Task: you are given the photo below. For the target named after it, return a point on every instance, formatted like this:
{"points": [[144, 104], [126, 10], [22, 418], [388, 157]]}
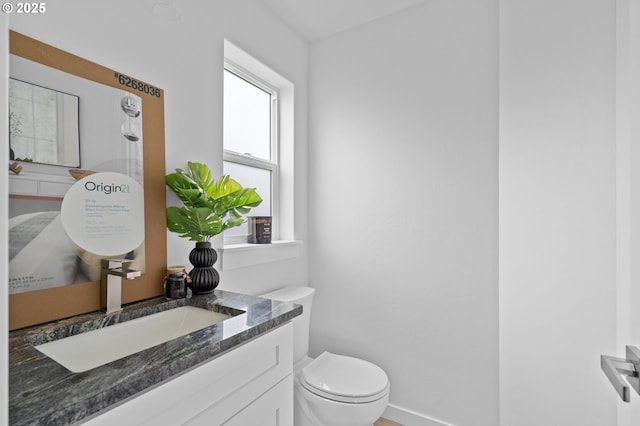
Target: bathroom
{"points": [[483, 254]]}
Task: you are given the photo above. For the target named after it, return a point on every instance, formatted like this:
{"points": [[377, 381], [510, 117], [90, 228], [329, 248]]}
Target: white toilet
{"points": [[331, 390]]}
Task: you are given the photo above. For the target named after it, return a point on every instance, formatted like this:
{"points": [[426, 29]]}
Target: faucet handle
{"points": [[116, 263]]}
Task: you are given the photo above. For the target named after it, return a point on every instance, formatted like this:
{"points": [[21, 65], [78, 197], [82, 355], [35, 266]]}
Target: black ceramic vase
{"points": [[204, 278]]}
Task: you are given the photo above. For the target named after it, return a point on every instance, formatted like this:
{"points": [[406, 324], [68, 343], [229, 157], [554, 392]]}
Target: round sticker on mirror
{"points": [[103, 213]]}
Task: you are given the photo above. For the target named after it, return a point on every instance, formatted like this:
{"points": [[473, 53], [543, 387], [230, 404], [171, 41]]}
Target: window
{"points": [[251, 142], [264, 160]]}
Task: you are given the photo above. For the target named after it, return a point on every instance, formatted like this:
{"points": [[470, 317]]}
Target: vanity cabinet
{"points": [[249, 385]]}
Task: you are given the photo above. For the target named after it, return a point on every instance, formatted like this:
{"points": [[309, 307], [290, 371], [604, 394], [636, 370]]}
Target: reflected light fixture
{"points": [[130, 106]]}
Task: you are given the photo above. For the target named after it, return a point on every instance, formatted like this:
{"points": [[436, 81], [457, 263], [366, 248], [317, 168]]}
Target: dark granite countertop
{"points": [[42, 392]]}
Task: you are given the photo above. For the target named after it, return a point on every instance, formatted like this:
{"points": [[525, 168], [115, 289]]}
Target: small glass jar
{"points": [[175, 283]]}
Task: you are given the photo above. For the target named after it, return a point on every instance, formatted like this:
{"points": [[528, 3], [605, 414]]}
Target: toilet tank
{"points": [[302, 296]]}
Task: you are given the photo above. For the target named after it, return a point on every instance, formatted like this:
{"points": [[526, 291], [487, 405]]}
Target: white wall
{"points": [[185, 58], [557, 211], [404, 203], [4, 218]]}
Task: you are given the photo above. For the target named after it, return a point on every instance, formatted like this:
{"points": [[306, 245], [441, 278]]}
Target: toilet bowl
{"points": [[340, 391], [331, 390]]}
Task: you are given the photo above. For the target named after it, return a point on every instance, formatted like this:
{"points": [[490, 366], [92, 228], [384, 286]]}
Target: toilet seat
{"points": [[344, 379]]}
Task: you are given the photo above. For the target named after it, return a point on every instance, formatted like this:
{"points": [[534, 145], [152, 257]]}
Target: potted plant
{"points": [[210, 206]]}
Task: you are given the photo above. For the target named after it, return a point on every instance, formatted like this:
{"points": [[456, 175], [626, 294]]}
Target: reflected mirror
{"points": [[43, 125]]}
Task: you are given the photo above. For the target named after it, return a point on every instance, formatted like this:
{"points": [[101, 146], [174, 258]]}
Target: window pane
{"points": [[251, 177], [247, 117]]}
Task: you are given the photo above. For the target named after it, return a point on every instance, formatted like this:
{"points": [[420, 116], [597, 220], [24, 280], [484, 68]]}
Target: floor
{"points": [[384, 422]]}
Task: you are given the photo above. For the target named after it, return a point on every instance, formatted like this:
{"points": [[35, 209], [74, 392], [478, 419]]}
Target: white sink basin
{"points": [[85, 351]]}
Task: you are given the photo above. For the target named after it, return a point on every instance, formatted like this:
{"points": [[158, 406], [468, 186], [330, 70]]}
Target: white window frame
{"points": [[286, 246], [251, 161]]}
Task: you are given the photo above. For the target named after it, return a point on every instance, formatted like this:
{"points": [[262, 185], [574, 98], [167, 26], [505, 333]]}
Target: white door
{"points": [[628, 192]]}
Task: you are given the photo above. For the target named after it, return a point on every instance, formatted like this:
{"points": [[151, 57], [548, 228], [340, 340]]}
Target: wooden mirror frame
{"points": [[46, 305]]}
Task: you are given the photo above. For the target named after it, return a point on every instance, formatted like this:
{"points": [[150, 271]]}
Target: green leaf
{"points": [[200, 175], [195, 223], [184, 187], [230, 223], [244, 199], [224, 187]]}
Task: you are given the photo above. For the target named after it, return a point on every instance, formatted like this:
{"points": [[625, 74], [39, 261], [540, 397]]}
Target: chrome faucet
{"points": [[111, 274]]}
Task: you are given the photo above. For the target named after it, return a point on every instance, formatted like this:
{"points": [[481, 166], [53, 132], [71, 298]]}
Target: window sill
{"points": [[234, 256]]}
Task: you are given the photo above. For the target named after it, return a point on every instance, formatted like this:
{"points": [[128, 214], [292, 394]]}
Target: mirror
{"points": [[43, 125], [111, 133], [120, 144]]}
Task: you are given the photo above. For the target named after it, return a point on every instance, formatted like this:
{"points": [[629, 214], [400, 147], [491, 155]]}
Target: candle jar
{"points": [[259, 229], [175, 283]]}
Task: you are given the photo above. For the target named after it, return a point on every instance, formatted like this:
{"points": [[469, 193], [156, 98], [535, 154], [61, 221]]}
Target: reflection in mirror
{"points": [[44, 125], [111, 122], [42, 254]]}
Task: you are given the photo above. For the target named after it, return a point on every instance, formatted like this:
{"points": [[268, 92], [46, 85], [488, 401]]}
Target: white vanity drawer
{"points": [[221, 389], [274, 408]]}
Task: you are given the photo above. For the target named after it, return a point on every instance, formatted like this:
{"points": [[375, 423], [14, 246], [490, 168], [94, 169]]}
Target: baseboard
{"points": [[410, 418]]}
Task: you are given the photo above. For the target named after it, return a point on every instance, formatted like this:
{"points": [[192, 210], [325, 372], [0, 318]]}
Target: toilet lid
{"points": [[345, 379]]}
